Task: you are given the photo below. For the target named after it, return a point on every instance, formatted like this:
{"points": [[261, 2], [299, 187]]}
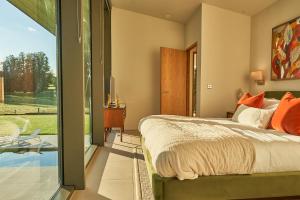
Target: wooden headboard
{"points": [[279, 94]]}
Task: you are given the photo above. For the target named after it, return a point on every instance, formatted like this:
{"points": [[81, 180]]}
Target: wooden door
{"points": [[173, 82]]}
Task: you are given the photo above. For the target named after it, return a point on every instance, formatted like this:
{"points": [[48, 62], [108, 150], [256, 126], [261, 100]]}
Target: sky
{"points": [[19, 33]]}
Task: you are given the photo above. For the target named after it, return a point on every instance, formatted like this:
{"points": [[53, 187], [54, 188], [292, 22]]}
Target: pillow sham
{"points": [[287, 116], [252, 101], [270, 103], [254, 117]]}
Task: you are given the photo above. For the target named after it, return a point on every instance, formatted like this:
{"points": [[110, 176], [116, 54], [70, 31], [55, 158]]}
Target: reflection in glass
{"points": [[87, 71], [28, 100]]}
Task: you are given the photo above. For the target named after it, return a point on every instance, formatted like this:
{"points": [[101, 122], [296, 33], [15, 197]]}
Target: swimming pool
{"points": [[29, 159]]}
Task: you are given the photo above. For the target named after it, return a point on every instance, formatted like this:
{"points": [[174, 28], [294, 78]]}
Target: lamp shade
{"points": [[257, 75]]}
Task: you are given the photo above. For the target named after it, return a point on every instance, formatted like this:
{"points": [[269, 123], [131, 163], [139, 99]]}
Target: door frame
{"points": [[188, 51]]}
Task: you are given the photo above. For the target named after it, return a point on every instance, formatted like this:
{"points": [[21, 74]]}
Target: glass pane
{"points": [[28, 100], [107, 53], [87, 71]]}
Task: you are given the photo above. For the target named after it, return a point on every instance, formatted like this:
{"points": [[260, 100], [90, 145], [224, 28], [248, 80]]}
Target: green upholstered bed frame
{"points": [[267, 185], [279, 94]]}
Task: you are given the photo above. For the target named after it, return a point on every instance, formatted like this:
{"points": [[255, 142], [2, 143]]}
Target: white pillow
{"points": [[270, 103], [255, 117]]}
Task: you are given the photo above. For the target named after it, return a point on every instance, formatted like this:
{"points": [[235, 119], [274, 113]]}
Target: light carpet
{"points": [[142, 177]]}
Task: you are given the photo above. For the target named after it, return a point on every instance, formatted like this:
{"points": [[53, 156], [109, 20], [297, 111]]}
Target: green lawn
{"points": [[43, 99], [23, 109], [23, 105], [28, 123], [11, 124]]}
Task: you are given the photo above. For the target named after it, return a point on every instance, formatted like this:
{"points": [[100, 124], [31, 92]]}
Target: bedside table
{"points": [[114, 117], [229, 114]]}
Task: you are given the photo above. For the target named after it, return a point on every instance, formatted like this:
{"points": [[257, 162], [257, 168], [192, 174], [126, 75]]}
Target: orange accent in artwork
{"points": [[286, 51]]}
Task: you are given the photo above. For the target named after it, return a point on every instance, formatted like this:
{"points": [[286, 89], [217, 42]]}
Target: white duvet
{"points": [[190, 147]]}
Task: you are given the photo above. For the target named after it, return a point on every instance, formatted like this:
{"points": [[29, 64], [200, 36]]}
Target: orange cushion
{"points": [[287, 116], [252, 101]]}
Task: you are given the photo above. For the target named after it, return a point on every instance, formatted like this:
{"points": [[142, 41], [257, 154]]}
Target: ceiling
{"points": [[181, 10]]}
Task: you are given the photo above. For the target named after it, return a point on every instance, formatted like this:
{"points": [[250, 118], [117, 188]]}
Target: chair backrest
{"points": [[36, 132]]}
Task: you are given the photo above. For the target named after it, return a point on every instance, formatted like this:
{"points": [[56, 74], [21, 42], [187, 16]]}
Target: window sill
{"points": [[63, 193], [89, 154]]}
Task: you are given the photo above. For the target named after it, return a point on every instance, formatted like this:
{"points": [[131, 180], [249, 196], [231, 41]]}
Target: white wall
{"points": [[192, 31], [225, 59], [136, 42], [261, 38]]}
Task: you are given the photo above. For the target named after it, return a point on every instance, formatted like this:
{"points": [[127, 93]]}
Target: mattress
{"points": [[273, 151]]}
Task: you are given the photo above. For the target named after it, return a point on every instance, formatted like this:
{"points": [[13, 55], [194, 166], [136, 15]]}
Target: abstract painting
{"points": [[286, 51]]}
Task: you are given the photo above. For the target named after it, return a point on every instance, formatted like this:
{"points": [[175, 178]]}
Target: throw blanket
{"points": [[189, 148]]}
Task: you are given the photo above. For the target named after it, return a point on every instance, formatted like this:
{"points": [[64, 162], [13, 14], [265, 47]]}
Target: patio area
{"points": [[28, 167], [21, 143], [28, 183], [39, 143]]}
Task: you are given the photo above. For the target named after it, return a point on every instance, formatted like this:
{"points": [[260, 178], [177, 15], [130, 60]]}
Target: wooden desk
{"points": [[114, 117]]}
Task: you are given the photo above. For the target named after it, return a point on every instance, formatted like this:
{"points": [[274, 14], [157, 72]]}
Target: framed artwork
{"points": [[286, 51]]}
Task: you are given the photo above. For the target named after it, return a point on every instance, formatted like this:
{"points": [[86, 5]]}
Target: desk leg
{"points": [[105, 134], [122, 130]]}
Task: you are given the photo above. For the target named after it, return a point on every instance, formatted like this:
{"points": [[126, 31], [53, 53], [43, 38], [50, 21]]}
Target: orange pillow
{"points": [[252, 101], [287, 116]]}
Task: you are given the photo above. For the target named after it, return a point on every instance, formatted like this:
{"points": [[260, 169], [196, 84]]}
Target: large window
{"points": [[28, 100], [87, 72]]}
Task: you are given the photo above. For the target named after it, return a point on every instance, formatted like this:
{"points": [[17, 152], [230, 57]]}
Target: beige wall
{"points": [[261, 37], [136, 42], [192, 32], [193, 29], [225, 59]]}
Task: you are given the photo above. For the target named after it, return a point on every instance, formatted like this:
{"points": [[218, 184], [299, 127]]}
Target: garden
{"points": [[25, 112], [30, 100]]}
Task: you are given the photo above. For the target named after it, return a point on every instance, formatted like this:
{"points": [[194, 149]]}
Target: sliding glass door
{"points": [[29, 114], [87, 72]]}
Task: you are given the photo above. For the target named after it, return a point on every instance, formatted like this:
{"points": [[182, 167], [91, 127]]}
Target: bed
{"points": [[244, 186]]}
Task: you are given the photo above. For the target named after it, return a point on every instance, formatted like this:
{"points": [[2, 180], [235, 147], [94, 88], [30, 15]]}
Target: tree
{"points": [[27, 73]]}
